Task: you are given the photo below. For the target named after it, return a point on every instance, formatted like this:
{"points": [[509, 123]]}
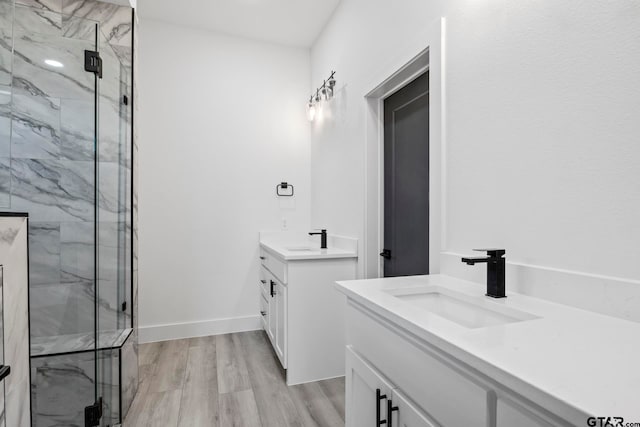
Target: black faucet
{"points": [[323, 238], [496, 267]]}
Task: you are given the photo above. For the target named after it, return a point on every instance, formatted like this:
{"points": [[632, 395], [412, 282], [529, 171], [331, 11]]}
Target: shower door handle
{"points": [[4, 372]]}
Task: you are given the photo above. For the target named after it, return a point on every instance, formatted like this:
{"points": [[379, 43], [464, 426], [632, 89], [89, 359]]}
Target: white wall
{"points": [[542, 152], [222, 121]]}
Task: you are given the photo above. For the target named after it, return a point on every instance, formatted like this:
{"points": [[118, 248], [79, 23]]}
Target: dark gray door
{"points": [[406, 180]]}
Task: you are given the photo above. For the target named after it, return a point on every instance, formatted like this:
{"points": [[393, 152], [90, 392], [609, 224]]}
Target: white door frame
{"points": [[431, 57]]}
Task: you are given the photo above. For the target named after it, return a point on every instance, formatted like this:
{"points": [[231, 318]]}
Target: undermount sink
{"points": [[300, 249], [469, 311]]}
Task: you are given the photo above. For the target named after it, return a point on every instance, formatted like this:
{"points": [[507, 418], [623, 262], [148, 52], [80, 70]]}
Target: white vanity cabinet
{"points": [[510, 414], [371, 397], [302, 312], [405, 413], [273, 303], [453, 357], [279, 325], [366, 392], [422, 385], [263, 285]]}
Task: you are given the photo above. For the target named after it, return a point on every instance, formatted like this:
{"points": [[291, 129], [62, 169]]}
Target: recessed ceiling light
{"points": [[54, 63]]}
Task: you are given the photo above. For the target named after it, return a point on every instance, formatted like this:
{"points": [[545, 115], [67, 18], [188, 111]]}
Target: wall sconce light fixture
{"points": [[324, 92]]}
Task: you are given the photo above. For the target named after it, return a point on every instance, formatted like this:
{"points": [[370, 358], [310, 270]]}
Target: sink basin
{"points": [[300, 249], [469, 311]]}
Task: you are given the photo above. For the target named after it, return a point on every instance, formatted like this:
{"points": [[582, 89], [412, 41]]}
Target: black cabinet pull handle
{"points": [[390, 410], [263, 258], [264, 282], [5, 371], [379, 397], [273, 292], [263, 313]]}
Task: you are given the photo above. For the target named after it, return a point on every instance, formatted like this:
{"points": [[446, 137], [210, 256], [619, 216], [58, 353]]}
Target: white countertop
{"points": [[292, 246], [289, 253], [587, 361]]}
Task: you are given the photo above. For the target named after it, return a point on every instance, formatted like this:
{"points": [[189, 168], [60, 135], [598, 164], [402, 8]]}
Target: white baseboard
{"points": [[205, 328], [612, 296]]}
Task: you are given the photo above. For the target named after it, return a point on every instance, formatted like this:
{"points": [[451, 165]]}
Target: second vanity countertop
{"points": [[292, 246], [586, 361]]}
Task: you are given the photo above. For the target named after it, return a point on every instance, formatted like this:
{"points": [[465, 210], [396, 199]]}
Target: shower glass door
{"points": [[113, 213], [51, 165], [65, 158]]}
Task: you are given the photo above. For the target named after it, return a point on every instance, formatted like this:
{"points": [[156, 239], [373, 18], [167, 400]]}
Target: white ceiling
{"points": [[289, 22]]}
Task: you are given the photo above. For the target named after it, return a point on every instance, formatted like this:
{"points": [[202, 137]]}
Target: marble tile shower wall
{"points": [[64, 385], [6, 37], [47, 156], [15, 298]]}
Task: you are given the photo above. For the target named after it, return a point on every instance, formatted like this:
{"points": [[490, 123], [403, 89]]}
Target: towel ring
{"points": [[284, 186]]}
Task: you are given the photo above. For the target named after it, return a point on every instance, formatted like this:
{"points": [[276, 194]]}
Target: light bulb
{"points": [[329, 92], [311, 111], [332, 85], [325, 93]]}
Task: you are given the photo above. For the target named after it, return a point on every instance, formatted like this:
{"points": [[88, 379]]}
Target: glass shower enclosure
{"points": [[66, 158]]}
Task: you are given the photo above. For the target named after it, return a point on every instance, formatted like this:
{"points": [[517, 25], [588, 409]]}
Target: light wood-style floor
{"points": [[227, 381]]}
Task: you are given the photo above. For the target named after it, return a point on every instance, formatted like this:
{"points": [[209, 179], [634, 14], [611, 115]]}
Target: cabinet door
{"points": [[405, 413], [273, 311], [367, 393], [281, 323]]}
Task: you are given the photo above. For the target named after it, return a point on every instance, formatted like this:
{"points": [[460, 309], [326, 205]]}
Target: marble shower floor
{"points": [[227, 380]]}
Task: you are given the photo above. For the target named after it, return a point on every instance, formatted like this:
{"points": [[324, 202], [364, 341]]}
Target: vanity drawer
{"points": [[437, 385], [264, 313], [274, 265], [263, 282]]}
